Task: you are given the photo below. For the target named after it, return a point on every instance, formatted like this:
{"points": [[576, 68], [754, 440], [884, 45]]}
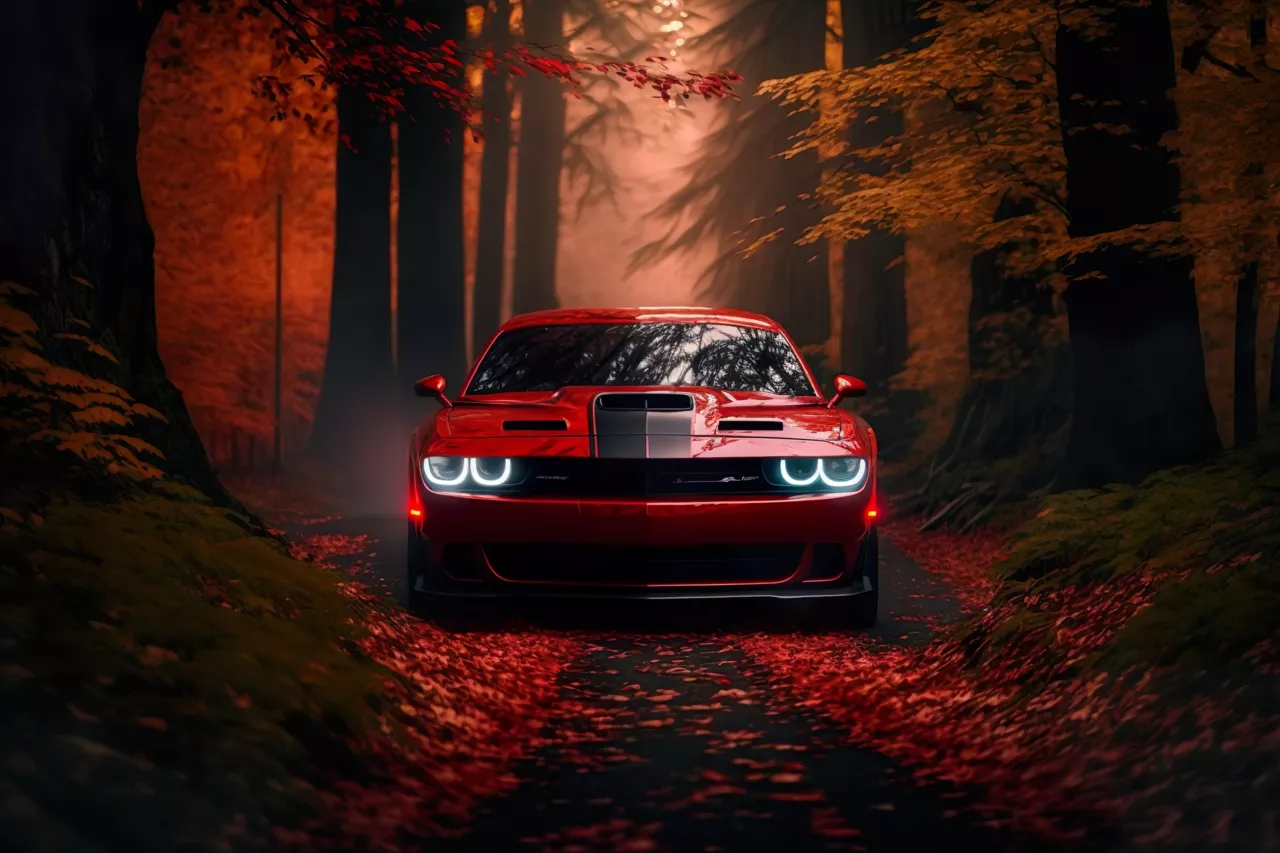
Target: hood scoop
{"points": [[645, 402], [750, 424], [557, 425]]}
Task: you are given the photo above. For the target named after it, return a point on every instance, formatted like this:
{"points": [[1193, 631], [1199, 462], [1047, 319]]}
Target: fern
{"points": [[46, 406]]}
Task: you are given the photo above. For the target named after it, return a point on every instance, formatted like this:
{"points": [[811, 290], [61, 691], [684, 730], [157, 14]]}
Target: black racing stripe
{"points": [[625, 426], [619, 434]]}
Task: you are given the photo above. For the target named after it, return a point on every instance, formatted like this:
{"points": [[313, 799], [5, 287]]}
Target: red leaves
{"points": [[455, 712], [962, 559], [1052, 745], [375, 47]]}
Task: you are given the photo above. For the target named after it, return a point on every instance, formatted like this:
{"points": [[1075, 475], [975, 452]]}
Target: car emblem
{"points": [[682, 482]]}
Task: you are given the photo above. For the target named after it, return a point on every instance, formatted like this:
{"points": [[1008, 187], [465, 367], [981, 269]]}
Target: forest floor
{"points": [[1105, 676]]}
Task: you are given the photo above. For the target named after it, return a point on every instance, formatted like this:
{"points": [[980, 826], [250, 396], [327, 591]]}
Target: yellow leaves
{"points": [[93, 346], [116, 454], [50, 405]]}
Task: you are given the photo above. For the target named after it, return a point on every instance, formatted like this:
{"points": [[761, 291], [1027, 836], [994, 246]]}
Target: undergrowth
{"points": [[1204, 539], [170, 675]]}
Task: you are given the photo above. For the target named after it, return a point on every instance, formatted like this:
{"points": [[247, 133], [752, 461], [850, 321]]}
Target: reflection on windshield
{"points": [[711, 355]]}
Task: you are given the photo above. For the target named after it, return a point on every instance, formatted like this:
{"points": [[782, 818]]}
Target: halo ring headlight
{"points": [[859, 475], [438, 479], [798, 481], [482, 480]]}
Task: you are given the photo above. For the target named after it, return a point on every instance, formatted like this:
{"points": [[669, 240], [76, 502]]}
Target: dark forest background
{"points": [[1043, 231], [404, 254]]}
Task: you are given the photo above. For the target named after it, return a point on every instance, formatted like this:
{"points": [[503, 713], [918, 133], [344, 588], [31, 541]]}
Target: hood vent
{"points": [[540, 426], [642, 402], [752, 425]]}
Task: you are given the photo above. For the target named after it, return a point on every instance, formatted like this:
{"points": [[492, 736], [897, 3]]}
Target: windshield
{"points": [[710, 355]]}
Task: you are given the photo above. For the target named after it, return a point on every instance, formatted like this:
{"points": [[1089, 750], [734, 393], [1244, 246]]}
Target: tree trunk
{"points": [[1273, 387], [431, 313], [356, 398], [495, 163], [1141, 398], [1008, 316], [71, 203], [538, 165], [1245, 403], [874, 345], [786, 281], [1016, 401]]}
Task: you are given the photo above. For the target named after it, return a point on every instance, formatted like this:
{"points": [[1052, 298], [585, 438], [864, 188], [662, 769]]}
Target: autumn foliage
{"points": [[56, 419], [214, 154], [1116, 678]]}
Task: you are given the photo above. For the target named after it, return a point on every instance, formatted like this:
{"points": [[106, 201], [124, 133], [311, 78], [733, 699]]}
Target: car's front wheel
{"points": [[860, 611], [415, 571], [448, 612], [866, 605]]}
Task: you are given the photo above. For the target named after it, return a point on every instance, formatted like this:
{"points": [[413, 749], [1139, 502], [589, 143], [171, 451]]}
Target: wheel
{"points": [[866, 605], [415, 570], [858, 612], [448, 612]]}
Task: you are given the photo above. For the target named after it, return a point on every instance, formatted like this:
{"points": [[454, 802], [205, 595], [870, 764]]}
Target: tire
{"points": [[866, 606], [448, 612], [415, 569]]}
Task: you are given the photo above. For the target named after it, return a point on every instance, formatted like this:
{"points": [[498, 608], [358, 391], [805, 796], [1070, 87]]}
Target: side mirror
{"points": [[847, 386], [432, 386]]}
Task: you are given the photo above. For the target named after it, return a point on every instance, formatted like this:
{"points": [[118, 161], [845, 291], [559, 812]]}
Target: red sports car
{"points": [[643, 453]]}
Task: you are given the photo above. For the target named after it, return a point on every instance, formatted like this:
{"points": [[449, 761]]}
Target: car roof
{"points": [[663, 314]]}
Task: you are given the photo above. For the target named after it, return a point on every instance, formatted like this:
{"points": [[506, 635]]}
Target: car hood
{"points": [[568, 413]]}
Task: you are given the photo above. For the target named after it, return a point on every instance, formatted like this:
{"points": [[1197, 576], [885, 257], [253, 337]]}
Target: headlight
{"points": [[444, 470], [490, 471], [799, 472], [461, 472], [844, 472], [838, 473]]}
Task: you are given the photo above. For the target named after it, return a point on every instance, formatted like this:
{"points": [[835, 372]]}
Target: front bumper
{"points": [[506, 592], [450, 518], [764, 547]]}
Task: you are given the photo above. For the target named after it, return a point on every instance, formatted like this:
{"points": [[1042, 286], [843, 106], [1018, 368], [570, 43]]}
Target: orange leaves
{"points": [[99, 416], [54, 406], [91, 345]]}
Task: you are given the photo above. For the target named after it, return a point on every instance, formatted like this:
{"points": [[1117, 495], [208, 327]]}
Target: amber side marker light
{"points": [[416, 513], [871, 513]]}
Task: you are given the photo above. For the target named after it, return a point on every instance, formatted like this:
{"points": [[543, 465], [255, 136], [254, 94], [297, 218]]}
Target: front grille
{"points": [[589, 477], [828, 561], [620, 565]]}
